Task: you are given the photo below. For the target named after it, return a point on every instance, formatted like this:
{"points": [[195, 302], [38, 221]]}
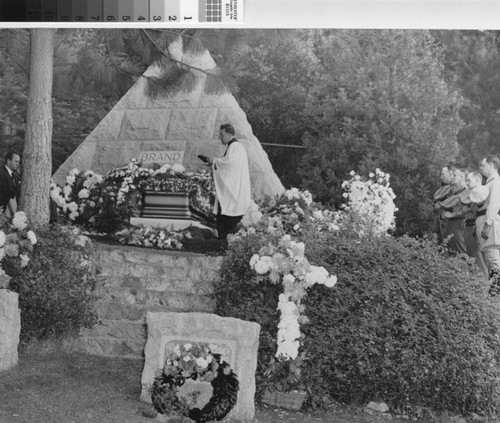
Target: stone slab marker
{"points": [[237, 341], [172, 129], [10, 328]]}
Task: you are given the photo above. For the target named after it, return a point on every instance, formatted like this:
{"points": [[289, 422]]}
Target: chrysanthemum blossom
{"points": [[264, 264], [84, 193], [177, 167], [32, 237], [20, 221], [24, 260]]}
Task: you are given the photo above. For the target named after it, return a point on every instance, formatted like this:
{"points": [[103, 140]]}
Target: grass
{"points": [[53, 384]]}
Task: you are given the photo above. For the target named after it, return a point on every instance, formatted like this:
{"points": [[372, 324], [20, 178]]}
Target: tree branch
{"points": [[178, 62]]}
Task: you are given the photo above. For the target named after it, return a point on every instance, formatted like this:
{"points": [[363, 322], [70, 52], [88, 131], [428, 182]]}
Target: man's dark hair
{"points": [[227, 127], [10, 155], [494, 160]]}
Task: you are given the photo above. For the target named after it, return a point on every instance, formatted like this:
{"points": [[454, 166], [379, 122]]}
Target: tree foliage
{"points": [[274, 86], [381, 101], [472, 59], [277, 75]]}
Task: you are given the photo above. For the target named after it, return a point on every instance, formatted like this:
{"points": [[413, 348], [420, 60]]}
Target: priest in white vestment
{"points": [[232, 183]]}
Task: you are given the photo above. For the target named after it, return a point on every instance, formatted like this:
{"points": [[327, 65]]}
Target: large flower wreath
{"points": [[197, 362]]}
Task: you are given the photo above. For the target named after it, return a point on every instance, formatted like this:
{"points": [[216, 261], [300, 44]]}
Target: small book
{"points": [[203, 158]]}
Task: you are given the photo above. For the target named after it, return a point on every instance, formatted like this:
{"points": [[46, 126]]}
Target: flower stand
{"points": [[291, 400]]}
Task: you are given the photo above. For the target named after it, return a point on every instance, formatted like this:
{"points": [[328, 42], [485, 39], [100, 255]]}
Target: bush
{"points": [[406, 324], [56, 294]]}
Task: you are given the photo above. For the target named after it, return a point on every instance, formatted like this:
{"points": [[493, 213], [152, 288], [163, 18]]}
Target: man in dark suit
{"points": [[10, 184]]}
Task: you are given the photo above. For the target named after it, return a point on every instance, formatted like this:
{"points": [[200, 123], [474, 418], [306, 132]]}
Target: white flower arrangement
{"points": [[86, 196], [192, 358], [16, 241], [287, 262], [369, 203], [151, 237]]}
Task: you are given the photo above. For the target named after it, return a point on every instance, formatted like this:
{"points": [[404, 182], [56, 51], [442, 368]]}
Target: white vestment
{"points": [[492, 207], [232, 181]]}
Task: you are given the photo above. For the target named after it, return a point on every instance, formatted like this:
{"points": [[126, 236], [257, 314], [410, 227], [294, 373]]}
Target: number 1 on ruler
{"points": [[189, 10]]}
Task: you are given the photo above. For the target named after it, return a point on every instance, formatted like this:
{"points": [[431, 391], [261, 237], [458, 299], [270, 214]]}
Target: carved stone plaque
{"points": [[236, 340]]}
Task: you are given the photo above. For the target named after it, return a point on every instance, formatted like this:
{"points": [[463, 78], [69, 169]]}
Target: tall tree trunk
{"points": [[37, 158]]}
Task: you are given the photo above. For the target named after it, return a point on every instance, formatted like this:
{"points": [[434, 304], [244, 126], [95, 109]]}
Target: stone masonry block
{"points": [[10, 328], [192, 124], [158, 284], [112, 310], [205, 289], [138, 125], [135, 98]]}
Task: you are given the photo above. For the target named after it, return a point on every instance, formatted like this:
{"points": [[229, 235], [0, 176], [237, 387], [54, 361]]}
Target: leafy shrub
{"points": [[56, 289], [405, 323]]}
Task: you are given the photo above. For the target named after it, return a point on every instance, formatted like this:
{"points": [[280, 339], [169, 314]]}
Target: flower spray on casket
{"points": [[105, 203]]}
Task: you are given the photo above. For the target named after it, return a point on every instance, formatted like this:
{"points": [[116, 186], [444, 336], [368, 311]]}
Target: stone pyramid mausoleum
{"points": [[171, 130]]}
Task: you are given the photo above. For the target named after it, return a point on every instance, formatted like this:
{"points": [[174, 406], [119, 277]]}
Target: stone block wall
{"points": [[133, 281], [10, 328]]}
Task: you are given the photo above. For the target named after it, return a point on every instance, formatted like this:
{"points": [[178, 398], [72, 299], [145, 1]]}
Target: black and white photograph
{"points": [[229, 222]]}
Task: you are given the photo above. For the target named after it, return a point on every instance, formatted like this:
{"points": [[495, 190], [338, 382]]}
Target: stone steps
{"points": [[133, 281]]}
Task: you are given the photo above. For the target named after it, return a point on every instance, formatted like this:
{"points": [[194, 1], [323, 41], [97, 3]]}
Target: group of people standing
{"points": [[10, 184], [468, 213]]}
